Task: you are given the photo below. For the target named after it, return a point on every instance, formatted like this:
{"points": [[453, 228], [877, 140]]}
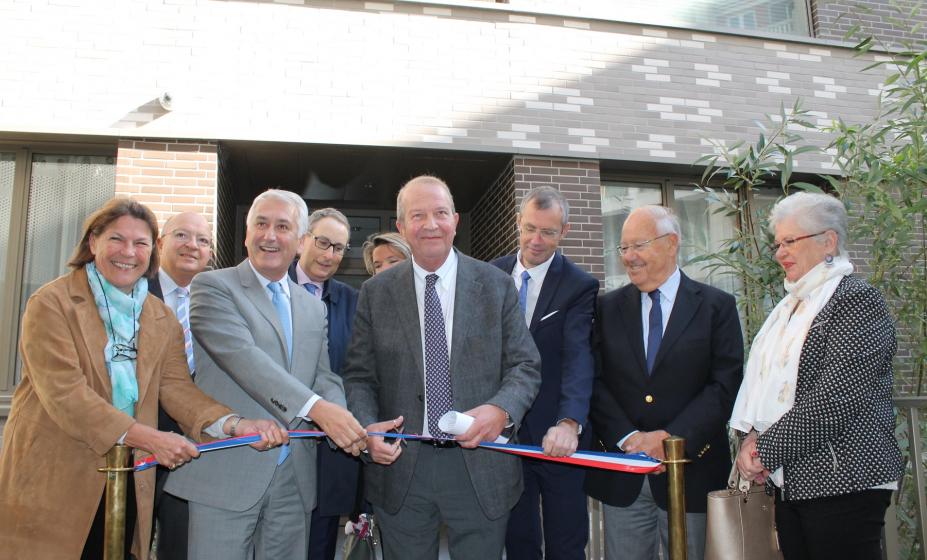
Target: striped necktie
{"points": [[183, 315]]}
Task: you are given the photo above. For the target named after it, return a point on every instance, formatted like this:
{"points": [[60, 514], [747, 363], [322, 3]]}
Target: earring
{"points": [[828, 260]]}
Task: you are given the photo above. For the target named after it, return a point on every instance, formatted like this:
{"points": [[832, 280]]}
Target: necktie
{"points": [[280, 304], [313, 289], [655, 336], [183, 315], [438, 392], [523, 292]]}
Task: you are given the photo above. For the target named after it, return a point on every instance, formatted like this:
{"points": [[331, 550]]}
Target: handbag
{"points": [[741, 522], [361, 542]]}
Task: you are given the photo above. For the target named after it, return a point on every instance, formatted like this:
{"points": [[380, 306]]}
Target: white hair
{"points": [[665, 219], [292, 199], [814, 212]]}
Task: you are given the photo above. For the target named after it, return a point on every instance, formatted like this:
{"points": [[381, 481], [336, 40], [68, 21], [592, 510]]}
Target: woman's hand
{"points": [[169, 449], [748, 461]]}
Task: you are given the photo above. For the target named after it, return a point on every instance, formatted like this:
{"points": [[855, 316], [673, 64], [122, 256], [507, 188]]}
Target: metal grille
{"points": [[7, 170]]}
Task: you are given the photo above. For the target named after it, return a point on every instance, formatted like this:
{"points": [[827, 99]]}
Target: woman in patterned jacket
{"points": [[816, 401]]}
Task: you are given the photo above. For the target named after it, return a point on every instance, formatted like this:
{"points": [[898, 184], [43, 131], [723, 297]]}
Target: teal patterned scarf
{"points": [[120, 314]]}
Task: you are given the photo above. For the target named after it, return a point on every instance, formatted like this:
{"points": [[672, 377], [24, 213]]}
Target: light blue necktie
{"points": [[183, 315], [313, 289], [655, 336], [523, 292], [280, 304]]}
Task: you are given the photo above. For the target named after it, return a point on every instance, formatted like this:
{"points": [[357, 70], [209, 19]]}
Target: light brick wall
{"points": [[169, 176]]}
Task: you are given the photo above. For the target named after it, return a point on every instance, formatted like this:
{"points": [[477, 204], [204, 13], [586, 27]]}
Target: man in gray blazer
{"points": [[440, 332], [245, 321]]}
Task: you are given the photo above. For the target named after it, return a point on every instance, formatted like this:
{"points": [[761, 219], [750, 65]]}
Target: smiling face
{"points": [[385, 257], [540, 232], [185, 247], [121, 252], [649, 267], [798, 257], [429, 222], [318, 264], [272, 238]]}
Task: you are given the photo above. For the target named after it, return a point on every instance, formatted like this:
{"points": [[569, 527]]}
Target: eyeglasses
{"points": [[125, 352], [324, 243], [789, 241], [639, 246], [183, 237], [546, 233]]}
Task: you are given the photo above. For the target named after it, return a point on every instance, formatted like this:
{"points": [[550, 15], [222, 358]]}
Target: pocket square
{"points": [[549, 315]]}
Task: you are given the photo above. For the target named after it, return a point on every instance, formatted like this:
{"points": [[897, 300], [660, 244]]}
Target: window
{"points": [[46, 192]]}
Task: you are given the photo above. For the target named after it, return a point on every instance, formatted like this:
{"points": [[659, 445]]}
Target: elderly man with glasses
{"points": [[670, 360], [324, 246]]}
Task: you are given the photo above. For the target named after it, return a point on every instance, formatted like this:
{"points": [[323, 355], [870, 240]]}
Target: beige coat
{"points": [[62, 422]]}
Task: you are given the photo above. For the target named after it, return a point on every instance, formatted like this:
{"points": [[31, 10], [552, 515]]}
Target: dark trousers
{"points": [[558, 491], [93, 547], [172, 514], [843, 527], [323, 535]]}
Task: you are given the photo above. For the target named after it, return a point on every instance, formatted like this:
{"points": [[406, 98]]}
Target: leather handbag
{"points": [[741, 522]]}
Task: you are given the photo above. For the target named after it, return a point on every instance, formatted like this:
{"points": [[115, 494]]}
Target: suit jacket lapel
{"points": [[402, 293], [468, 290], [150, 345], [688, 300], [259, 297], [631, 315], [91, 326], [548, 289]]}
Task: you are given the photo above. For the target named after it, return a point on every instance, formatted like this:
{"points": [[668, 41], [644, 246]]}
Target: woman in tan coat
{"points": [[97, 356]]}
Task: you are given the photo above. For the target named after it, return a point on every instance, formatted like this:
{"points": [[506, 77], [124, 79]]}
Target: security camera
{"points": [[166, 101]]}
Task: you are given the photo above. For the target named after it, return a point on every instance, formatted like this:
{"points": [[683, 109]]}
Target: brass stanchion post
{"points": [[674, 447], [114, 531]]}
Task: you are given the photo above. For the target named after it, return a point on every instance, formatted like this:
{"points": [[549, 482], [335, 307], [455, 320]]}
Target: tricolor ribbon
{"points": [[638, 463]]}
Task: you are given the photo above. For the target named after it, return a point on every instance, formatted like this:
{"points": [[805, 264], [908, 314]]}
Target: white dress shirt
{"points": [[445, 288], [537, 275]]}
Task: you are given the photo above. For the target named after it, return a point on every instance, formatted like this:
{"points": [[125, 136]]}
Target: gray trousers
{"points": [[440, 492], [638, 530], [276, 527]]}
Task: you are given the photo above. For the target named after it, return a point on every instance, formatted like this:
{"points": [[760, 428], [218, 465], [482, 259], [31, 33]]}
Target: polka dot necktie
{"points": [[438, 393]]}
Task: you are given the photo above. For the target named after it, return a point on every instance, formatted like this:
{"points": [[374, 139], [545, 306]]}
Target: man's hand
{"points": [[380, 451], [272, 434], [748, 461], [169, 449], [340, 426], [488, 422], [562, 439], [650, 443]]}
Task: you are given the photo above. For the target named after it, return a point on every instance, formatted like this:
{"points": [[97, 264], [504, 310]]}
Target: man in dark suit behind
{"points": [[669, 356], [323, 249], [559, 302], [439, 332], [185, 248]]}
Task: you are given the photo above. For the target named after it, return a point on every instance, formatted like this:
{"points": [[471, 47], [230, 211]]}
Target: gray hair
{"points": [[543, 198], [665, 219], [332, 213], [295, 201], [814, 212], [400, 208], [392, 239]]}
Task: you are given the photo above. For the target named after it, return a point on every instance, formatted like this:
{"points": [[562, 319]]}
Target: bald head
{"points": [[185, 246]]}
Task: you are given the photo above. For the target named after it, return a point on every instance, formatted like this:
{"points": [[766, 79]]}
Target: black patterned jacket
{"points": [[839, 438]]}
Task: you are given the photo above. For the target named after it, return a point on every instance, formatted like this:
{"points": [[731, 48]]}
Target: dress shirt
{"points": [[668, 291], [302, 279], [285, 284], [537, 274], [445, 288], [169, 289]]}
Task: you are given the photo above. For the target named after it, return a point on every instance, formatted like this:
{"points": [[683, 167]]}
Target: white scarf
{"points": [[768, 389]]}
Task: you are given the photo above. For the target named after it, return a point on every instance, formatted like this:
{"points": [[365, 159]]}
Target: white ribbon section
{"points": [[456, 423]]}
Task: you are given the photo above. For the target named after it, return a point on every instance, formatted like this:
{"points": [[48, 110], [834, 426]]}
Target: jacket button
{"points": [[648, 399], [421, 398]]}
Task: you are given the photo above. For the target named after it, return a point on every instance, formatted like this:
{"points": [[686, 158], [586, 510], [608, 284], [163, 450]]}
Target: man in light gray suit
{"points": [[246, 321], [440, 332]]}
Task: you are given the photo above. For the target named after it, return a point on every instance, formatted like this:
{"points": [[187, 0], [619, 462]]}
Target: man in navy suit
{"points": [[558, 300], [324, 247], [669, 356], [185, 248]]}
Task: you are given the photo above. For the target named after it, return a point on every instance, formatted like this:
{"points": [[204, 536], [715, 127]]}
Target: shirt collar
{"points": [[443, 272], [167, 283], [534, 272], [264, 281], [302, 279], [669, 288]]}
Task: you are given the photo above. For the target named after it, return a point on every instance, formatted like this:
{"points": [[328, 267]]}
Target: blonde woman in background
{"points": [[383, 250]]}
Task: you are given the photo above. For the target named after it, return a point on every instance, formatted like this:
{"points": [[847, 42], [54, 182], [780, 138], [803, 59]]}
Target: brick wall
{"points": [[879, 18], [225, 213], [492, 224], [580, 183], [169, 176]]}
